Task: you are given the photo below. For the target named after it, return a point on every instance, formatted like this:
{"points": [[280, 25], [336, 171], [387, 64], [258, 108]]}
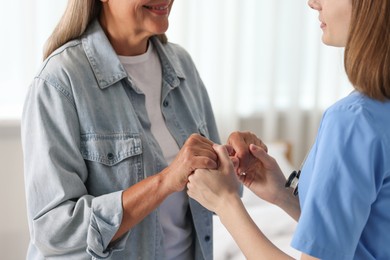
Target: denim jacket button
{"points": [[166, 103], [207, 238], [110, 156]]}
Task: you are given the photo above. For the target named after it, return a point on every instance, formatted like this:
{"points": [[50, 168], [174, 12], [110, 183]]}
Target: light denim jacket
{"points": [[86, 138]]}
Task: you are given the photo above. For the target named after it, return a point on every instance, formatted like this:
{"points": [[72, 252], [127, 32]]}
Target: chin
{"points": [[333, 42], [160, 29]]}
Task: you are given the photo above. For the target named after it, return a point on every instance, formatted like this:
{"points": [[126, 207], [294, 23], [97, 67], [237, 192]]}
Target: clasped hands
{"points": [[215, 177]]}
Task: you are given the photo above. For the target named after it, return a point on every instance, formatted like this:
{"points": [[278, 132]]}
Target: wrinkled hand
{"points": [[196, 153], [212, 188], [247, 163]]}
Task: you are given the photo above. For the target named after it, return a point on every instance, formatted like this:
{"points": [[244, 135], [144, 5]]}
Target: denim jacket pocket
{"points": [[110, 149]]}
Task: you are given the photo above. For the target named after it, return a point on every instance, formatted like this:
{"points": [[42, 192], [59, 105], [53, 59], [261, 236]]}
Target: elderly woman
{"points": [[114, 122]]}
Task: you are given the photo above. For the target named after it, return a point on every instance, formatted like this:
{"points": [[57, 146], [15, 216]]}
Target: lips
{"points": [[156, 7], [322, 24]]}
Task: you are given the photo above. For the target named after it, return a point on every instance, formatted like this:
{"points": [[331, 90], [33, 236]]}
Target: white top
{"points": [[145, 72]]}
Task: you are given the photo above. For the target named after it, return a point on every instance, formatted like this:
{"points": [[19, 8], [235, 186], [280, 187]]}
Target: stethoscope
{"points": [[292, 181]]}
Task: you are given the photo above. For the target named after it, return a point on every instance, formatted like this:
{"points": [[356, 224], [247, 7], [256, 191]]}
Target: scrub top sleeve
{"points": [[337, 186]]}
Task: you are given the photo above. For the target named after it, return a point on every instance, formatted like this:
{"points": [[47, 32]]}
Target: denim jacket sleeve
{"points": [[64, 218]]}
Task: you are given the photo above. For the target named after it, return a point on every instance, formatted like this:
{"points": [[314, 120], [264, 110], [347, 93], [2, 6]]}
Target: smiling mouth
{"points": [[157, 8]]}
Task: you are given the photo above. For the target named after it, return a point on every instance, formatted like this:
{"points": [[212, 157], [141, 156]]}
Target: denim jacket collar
{"points": [[107, 67]]}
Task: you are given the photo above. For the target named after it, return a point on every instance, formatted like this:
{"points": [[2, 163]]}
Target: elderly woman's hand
{"points": [[246, 162], [197, 153], [240, 142]]}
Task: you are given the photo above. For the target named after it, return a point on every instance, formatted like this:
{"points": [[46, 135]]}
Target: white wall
{"points": [[14, 235]]}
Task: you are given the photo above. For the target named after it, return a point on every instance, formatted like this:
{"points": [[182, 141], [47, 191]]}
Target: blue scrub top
{"points": [[344, 187]]}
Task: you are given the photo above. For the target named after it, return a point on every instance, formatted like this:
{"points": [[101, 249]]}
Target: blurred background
{"points": [[262, 62]]}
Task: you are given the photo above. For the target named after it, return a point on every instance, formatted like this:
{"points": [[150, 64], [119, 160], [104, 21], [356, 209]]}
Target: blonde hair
{"points": [[73, 23], [367, 53]]}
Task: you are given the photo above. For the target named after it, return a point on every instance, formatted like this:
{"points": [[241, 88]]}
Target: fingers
{"points": [[248, 164], [260, 154], [209, 187], [240, 142], [197, 181], [236, 163], [200, 138], [200, 152], [237, 142], [229, 149], [223, 156]]}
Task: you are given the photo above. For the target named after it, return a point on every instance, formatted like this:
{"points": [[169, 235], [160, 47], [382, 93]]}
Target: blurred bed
{"points": [[274, 222]]}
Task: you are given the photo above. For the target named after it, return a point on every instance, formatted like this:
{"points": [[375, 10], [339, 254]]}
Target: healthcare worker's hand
{"points": [[268, 181], [257, 170], [196, 153], [215, 188]]}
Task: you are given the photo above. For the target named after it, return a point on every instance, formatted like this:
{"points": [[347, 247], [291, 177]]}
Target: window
{"points": [[255, 56], [25, 26]]}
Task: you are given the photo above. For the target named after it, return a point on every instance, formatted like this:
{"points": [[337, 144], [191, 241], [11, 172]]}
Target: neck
{"points": [[130, 46], [124, 42]]}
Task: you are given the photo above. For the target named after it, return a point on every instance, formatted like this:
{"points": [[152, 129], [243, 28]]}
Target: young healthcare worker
{"points": [[343, 200], [114, 122]]}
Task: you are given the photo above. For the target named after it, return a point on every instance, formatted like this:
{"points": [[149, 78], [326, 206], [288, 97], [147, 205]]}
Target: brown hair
{"points": [[367, 53], [73, 23]]}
